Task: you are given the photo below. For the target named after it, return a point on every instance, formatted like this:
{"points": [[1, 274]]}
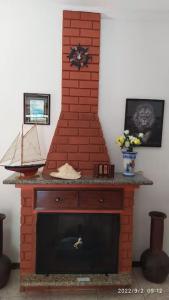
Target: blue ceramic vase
{"points": [[129, 162]]}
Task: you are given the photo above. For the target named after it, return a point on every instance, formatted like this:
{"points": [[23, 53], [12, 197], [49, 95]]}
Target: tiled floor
{"points": [[140, 290]]}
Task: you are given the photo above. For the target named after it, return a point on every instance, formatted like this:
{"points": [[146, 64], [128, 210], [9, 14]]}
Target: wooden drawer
{"points": [[112, 199], [56, 200]]}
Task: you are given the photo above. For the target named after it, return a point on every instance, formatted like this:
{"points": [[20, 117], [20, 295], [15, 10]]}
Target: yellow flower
{"points": [[120, 140], [137, 141]]}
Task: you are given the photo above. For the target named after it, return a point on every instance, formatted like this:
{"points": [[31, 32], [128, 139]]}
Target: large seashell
{"points": [[66, 172]]}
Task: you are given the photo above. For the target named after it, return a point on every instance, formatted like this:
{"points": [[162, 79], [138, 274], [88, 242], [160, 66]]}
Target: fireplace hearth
{"points": [[77, 243]]}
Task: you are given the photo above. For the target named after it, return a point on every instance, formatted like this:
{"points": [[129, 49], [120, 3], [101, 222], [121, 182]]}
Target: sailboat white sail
{"points": [[24, 152], [31, 147], [10, 153]]}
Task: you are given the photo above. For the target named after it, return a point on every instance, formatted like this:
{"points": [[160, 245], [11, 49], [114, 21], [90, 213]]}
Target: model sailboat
{"points": [[24, 154]]}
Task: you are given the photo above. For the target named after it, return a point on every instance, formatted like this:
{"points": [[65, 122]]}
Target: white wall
{"points": [[30, 61], [134, 63]]}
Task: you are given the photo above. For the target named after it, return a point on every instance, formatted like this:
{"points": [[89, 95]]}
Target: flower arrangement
{"points": [[127, 141]]}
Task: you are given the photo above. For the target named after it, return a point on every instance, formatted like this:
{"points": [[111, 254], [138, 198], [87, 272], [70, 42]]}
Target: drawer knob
{"points": [[58, 199], [101, 200]]}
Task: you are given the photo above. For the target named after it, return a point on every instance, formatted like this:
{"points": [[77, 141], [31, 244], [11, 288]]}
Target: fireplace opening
{"points": [[77, 243]]}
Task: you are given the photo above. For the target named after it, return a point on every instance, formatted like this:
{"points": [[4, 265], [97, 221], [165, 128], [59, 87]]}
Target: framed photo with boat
{"points": [[36, 109]]}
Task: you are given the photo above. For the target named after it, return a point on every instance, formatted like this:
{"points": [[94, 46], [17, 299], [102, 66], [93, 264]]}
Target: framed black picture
{"points": [[36, 109], [146, 116]]}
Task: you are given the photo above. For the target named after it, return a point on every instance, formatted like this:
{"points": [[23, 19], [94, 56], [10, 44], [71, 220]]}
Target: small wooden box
{"points": [[104, 170]]}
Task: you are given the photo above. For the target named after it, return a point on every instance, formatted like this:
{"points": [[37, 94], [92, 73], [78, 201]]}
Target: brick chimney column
{"points": [[78, 138]]}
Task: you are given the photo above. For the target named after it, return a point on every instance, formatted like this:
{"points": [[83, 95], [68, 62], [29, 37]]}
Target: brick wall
{"points": [[78, 138], [126, 232], [28, 232]]}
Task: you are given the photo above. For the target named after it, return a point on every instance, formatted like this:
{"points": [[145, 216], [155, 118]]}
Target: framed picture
{"points": [[146, 116], [37, 109]]}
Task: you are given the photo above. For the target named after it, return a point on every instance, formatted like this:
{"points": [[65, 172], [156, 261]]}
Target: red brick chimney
{"points": [[78, 138]]}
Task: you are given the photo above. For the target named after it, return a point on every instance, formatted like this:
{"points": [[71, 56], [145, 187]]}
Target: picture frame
{"points": [[146, 116], [36, 108]]}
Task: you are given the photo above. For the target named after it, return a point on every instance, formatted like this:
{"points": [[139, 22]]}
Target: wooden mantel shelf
{"points": [[119, 179]]}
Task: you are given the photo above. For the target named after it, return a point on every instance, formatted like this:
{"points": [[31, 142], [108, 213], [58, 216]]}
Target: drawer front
{"points": [[101, 199], [56, 200]]}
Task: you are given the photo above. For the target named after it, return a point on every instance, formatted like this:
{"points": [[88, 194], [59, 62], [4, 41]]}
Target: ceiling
{"points": [[119, 8]]}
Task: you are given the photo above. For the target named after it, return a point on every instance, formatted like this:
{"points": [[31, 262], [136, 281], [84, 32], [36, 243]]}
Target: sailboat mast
{"points": [[22, 146]]}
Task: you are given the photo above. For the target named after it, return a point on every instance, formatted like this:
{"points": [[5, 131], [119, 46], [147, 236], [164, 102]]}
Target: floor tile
{"points": [[156, 296], [150, 288], [12, 287], [88, 295], [127, 294]]}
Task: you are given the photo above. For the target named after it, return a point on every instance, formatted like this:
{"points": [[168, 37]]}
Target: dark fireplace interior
{"points": [[77, 243]]}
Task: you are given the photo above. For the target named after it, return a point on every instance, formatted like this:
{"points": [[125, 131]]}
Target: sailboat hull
{"points": [[28, 171]]}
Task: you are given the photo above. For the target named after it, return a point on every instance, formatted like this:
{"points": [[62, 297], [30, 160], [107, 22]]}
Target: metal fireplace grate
{"points": [[77, 243]]}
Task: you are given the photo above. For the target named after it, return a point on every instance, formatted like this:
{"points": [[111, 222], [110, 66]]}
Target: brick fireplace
{"points": [[47, 196], [120, 202], [78, 140]]}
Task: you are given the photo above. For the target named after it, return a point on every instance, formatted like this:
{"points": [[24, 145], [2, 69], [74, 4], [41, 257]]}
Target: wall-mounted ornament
{"points": [[79, 56]]}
